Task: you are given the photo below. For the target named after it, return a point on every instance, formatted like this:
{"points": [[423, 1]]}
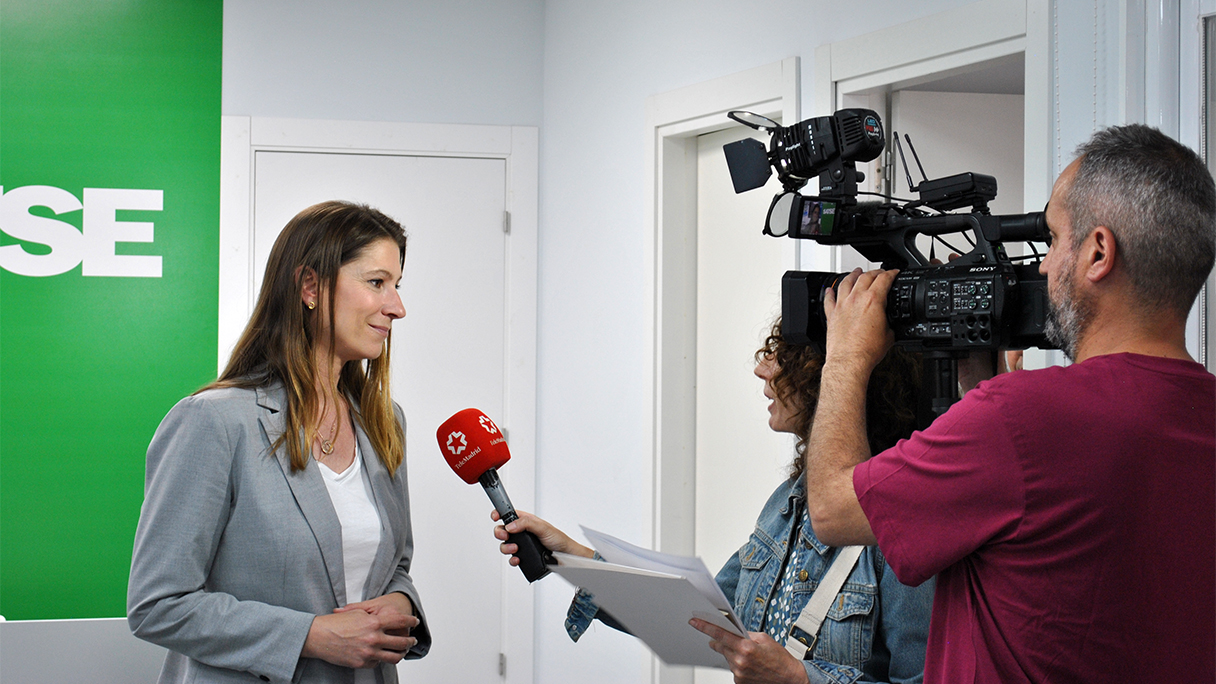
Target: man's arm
{"points": [[857, 338]]}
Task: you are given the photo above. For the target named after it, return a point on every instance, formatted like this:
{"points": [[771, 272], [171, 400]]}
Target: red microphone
{"points": [[474, 447]]}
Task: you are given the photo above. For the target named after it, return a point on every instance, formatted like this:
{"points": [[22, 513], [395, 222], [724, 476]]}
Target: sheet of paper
{"points": [[654, 606], [621, 552]]}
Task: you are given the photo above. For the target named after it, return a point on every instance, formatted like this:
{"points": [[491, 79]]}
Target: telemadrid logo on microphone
{"points": [[488, 425], [456, 449]]}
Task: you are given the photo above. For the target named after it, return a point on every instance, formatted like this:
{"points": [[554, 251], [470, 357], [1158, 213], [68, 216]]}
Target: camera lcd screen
{"points": [[817, 217]]}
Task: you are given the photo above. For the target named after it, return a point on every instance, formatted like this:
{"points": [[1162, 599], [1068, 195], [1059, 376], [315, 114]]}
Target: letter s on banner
{"points": [[66, 243]]}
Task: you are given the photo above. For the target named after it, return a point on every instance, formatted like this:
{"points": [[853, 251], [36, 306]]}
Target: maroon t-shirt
{"points": [[1070, 517]]}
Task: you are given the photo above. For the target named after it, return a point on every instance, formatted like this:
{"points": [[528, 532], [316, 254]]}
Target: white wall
{"points": [[581, 70], [602, 60], [456, 61]]}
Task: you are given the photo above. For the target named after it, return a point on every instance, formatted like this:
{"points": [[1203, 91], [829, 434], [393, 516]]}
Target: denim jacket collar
{"points": [[794, 504]]}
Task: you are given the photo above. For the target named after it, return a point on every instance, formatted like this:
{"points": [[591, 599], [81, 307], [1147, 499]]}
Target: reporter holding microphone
{"points": [[874, 628], [274, 543]]}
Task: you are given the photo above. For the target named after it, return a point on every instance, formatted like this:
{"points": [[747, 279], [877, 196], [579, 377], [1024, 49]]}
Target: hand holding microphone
{"points": [[474, 447], [552, 538]]}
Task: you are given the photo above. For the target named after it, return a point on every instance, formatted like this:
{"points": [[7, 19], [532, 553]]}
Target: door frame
{"points": [[673, 122], [242, 137], [973, 33], [964, 36]]}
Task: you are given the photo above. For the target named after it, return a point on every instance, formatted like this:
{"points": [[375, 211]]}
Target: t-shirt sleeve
{"points": [[934, 498]]}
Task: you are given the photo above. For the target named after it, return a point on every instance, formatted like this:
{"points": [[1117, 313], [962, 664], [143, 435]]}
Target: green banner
{"points": [[109, 249]]}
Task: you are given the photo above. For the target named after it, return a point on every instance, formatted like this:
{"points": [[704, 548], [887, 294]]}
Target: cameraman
{"points": [[1068, 513]]}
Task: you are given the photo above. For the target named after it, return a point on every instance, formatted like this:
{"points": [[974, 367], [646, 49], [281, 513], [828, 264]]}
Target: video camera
{"points": [[980, 301]]}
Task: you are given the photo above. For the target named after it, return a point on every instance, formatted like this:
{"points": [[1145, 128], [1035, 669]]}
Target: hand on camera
{"points": [[857, 330]]}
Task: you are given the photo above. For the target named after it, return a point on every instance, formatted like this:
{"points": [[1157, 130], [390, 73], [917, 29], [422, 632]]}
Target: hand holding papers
{"points": [[655, 595]]}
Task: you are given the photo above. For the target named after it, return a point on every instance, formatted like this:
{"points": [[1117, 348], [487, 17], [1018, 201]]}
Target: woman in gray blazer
{"points": [[274, 543]]}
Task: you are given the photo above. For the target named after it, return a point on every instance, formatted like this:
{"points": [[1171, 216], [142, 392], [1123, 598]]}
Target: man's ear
{"points": [[309, 290], [1101, 253]]}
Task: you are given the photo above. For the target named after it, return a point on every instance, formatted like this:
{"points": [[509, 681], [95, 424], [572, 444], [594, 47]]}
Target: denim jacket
{"points": [[876, 629]]}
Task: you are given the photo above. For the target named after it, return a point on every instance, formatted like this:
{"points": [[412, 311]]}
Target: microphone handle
{"points": [[534, 558]]}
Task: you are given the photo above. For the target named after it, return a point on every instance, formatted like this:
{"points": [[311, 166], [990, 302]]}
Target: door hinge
{"points": [[502, 664], [506, 222]]}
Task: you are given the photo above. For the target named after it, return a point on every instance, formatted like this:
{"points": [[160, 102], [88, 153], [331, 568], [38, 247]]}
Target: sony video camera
{"points": [[980, 301]]}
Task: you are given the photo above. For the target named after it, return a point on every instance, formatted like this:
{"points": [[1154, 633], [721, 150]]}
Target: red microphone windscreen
{"points": [[472, 444]]}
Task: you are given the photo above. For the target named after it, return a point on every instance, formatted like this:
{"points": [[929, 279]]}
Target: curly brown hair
{"points": [[891, 396]]}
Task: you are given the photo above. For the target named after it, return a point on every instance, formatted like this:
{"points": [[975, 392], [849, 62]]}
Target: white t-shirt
{"points": [[351, 494]]}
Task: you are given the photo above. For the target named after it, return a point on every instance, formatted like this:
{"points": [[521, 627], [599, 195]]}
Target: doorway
{"points": [[467, 198], [739, 460], [453, 281], [964, 38], [987, 57], [956, 124], [676, 122]]}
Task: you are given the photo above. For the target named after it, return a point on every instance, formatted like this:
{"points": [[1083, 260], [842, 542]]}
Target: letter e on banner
{"points": [[66, 243], [102, 230]]}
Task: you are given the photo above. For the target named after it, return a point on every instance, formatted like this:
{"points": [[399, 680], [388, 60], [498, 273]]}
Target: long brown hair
{"points": [[891, 396], [279, 342]]}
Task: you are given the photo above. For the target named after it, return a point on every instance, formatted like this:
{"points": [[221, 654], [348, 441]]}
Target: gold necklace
{"points": [[327, 445]]}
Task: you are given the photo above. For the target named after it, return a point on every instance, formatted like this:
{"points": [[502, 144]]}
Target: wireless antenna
{"points": [[923, 176], [899, 148], [916, 157]]}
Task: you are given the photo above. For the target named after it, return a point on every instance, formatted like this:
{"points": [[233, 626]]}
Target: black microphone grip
{"points": [[534, 557]]}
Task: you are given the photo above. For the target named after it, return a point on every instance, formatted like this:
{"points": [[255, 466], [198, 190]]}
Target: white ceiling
{"points": [[1003, 75]]}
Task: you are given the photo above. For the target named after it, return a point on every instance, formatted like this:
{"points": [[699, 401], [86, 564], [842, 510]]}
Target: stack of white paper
{"points": [[654, 595]]}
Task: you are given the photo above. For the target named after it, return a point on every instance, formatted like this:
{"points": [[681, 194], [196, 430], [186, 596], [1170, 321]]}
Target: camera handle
{"points": [[940, 385]]}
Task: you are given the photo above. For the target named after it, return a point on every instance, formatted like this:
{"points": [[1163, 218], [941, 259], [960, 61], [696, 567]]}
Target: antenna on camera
{"points": [[951, 192], [912, 187]]}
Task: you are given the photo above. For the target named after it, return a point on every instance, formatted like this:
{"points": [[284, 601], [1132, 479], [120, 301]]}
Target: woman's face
{"points": [[782, 414], [366, 303]]}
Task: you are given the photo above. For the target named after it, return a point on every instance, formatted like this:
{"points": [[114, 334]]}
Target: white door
{"points": [[739, 461], [448, 354]]}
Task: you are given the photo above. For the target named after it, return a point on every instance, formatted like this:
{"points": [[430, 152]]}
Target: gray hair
{"points": [[1158, 198]]}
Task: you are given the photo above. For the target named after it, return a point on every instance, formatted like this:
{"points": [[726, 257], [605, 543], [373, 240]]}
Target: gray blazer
{"points": [[235, 554]]}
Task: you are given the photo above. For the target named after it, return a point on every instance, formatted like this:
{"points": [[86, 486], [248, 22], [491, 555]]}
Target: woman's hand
{"points": [[1013, 360], [387, 606], [977, 367], [356, 638], [756, 659], [363, 634], [551, 537]]}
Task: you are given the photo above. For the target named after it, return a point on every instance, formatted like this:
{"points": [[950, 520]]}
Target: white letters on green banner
{"points": [[95, 249]]}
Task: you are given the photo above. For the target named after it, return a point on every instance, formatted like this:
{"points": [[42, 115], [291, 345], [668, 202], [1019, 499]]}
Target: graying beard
{"points": [[1062, 329]]}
